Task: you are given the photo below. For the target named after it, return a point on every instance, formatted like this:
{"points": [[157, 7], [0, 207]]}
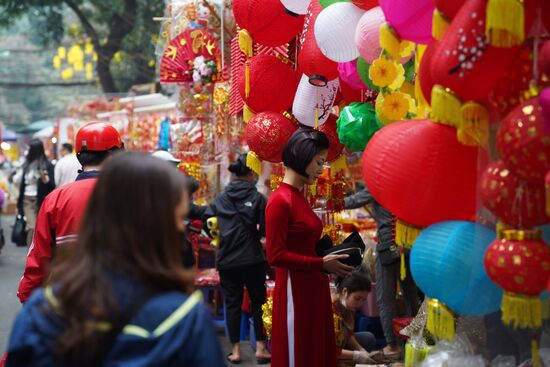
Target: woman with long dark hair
{"points": [[303, 328], [36, 181], [120, 296]]}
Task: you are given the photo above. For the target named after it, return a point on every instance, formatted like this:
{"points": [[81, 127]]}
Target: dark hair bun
{"points": [[239, 167]]}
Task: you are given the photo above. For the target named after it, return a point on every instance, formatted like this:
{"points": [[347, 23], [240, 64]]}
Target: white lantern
{"points": [[296, 6], [335, 31], [314, 103]]}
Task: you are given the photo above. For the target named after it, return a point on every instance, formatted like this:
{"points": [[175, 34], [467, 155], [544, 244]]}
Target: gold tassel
{"points": [[402, 267], [545, 308], [247, 113], [405, 233], [338, 164], [390, 41], [521, 311], [535, 362], [440, 321], [505, 23], [247, 47], [474, 126], [445, 106], [440, 24], [254, 163], [415, 354]]}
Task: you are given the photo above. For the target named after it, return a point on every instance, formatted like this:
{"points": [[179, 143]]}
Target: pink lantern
{"points": [[367, 34], [411, 19], [348, 73]]}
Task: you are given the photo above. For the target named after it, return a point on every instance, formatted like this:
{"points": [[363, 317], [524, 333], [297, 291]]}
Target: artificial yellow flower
{"points": [[383, 72], [395, 106], [400, 77], [406, 48]]}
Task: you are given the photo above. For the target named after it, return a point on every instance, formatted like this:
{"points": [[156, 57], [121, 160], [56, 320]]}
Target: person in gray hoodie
{"points": [[240, 210]]}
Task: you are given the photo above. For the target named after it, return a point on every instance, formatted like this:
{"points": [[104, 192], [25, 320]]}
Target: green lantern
{"points": [[356, 125], [325, 3], [363, 69]]}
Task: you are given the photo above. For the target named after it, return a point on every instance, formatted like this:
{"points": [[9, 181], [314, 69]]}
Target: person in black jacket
{"points": [[36, 181], [240, 210]]}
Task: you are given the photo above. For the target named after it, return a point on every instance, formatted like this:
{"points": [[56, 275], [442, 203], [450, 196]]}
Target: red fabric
{"points": [[207, 278], [292, 234], [419, 171], [425, 70], [267, 133], [246, 305], [60, 215], [399, 324]]}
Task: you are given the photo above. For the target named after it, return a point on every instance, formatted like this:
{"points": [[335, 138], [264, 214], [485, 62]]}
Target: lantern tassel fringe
{"points": [[440, 24], [440, 320], [254, 163], [403, 266], [247, 113], [339, 164], [535, 362], [405, 234], [505, 23], [474, 125], [445, 107], [521, 311], [247, 47]]}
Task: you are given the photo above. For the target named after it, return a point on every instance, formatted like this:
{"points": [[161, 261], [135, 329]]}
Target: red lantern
{"points": [[419, 171], [267, 21], [329, 128], [349, 94], [520, 264], [365, 4], [425, 72], [544, 57], [523, 143], [516, 202], [272, 84], [311, 60], [267, 133], [449, 7], [466, 62]]}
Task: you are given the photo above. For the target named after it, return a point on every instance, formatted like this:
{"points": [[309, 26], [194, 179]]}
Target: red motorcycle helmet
{"points": [[97, 137]]}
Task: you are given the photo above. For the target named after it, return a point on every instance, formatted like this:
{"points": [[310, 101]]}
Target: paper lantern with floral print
{"points": [[312, 104], [447, 263], [267, 133], [367, 34], [335, 147], [465, 61], [311, 60], [335, 31], [523, 143], [520, 264], [411, 19], [266, 21], [272, 84], [516, 202], [420, 172], [365, 4]]}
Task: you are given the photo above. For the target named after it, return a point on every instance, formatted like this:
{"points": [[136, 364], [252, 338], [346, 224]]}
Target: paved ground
{"points": [[12, 263]]}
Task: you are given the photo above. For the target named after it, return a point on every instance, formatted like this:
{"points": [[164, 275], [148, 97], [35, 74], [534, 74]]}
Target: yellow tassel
{"points": [[248, 113], [505, 23], [402, 267], [474, 127], [405, 233], [547, 195], [390, 41], [414, 354], [545, 308], [247, 47], [339, 164], [445, 107], [521, 311], [440, 24], [535, 362], [440, 320], [247, 78], [254, 163]]}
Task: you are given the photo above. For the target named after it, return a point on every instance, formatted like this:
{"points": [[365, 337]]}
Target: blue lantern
{"points": [[447, 264]]}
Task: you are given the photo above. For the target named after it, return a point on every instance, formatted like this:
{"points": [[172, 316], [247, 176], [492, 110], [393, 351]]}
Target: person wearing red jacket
{"points": [[61, 212]]}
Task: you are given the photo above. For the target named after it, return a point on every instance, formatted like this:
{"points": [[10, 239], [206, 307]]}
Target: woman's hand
{"points": [[332, 264]]}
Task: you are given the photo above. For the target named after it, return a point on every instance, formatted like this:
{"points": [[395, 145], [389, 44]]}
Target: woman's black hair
{"points": [[302, 147], [358, 281], [36, 152], [239, 167]]}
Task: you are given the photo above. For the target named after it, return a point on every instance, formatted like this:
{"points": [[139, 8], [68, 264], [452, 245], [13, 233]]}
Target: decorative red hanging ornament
{"points": [[266, 135], [519, 262], [335, 157], [465, 62], [349, 94], [420, 172], [273, 83], [365, 4], [425, 72], [523, 143], [544, 58], [518, 203], [176, 65], [311, 61], [449, 8], [266, 21]]}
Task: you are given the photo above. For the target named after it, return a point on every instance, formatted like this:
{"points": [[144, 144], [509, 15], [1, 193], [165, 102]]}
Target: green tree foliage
{"points": [[113, 26]]}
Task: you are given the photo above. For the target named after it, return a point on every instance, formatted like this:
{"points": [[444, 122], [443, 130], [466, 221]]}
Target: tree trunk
{"points": [[104, 73]]}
